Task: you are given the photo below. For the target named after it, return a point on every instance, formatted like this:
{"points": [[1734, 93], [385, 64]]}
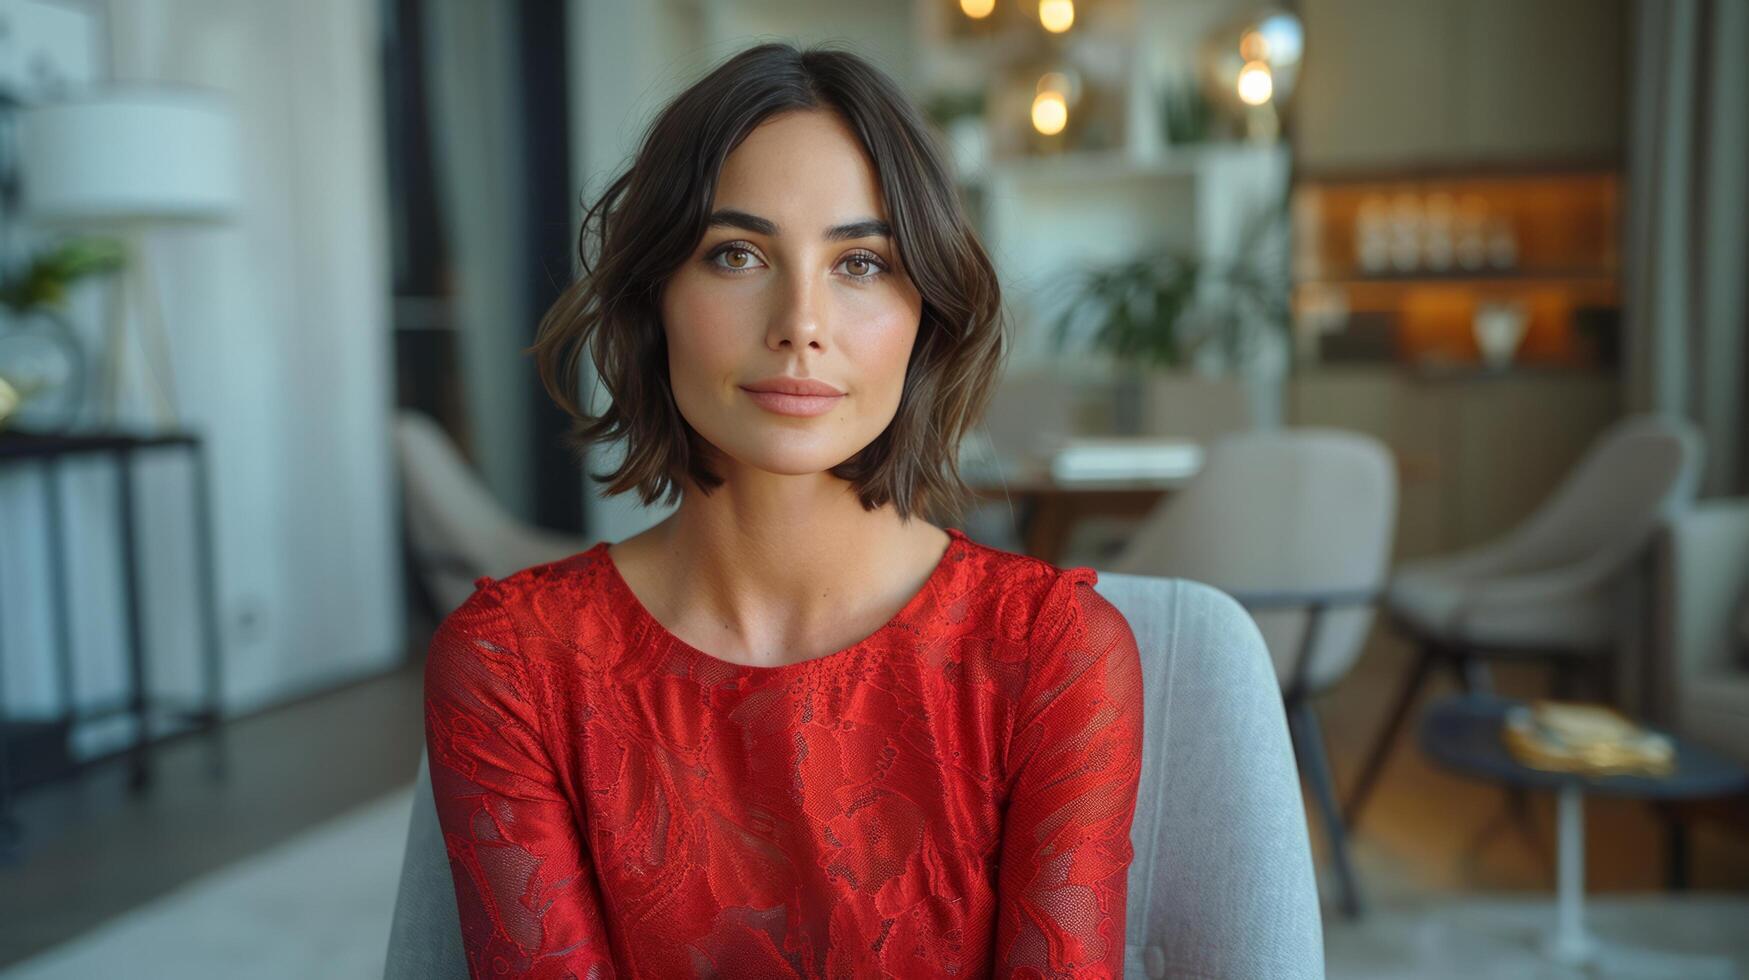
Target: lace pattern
{"points": [[951, 797]]}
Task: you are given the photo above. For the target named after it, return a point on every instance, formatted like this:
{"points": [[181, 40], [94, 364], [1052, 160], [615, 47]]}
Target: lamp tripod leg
{"points": [[157, 341], [115, 345]]}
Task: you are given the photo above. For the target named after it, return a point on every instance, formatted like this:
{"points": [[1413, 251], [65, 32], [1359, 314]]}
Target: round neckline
{"points": [[956, 538]]}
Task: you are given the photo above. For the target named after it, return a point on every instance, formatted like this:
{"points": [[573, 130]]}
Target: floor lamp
{"points": [[125, 160]]}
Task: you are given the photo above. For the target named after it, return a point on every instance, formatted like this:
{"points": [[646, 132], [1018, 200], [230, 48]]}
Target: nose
{"points": [[798, 319]]}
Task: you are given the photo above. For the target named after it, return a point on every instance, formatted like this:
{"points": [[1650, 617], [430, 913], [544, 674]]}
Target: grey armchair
{"points": [[1554, 588], [1221, 884], [1697, 681], [1698, 684]]}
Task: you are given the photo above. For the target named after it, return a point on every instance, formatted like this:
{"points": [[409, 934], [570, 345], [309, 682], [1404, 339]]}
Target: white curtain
{"points": [[476, 128], [1687, 254]]}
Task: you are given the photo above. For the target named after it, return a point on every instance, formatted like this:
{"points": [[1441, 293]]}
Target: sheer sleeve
{"points": [[1075, 759], [524, 884]]}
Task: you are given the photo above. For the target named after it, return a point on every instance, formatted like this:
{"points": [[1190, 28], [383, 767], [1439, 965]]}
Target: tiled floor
{"points": [[93, 852]]}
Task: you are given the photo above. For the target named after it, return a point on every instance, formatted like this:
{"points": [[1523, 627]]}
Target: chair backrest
{"points": [[425, 936], [1305, 510], [451, 516], [1700, 625], [1221, 884], [1637, 474]]}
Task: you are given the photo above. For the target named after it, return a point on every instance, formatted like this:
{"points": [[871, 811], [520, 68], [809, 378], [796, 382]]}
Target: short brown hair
{"points": [[653, 215]]}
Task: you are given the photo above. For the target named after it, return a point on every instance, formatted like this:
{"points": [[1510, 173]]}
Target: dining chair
{"points": [[1221, 883], [1556, 589], [1296, 524]]}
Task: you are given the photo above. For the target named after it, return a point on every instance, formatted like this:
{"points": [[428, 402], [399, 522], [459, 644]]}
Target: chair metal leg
{"points": [[1473, 675], [1675, 849], [1387, 740], [1308, 742], [1515, 813], [1564, 682]]}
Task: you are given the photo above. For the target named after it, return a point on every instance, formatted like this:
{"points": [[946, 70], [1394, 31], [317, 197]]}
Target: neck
{"points": [[770, 554]]}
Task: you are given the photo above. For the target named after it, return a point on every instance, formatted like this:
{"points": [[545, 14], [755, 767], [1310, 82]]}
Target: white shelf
{"points": [[1173, 163]]}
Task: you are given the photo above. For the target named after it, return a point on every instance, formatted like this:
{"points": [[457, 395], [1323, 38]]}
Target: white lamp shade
{"points": [[130, 154]]}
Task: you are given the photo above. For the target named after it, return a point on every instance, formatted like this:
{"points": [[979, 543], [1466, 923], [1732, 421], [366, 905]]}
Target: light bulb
{"points": [[1056, 16], [1049, 113], [1256, 85], [1054, 81], [1253, 46]]}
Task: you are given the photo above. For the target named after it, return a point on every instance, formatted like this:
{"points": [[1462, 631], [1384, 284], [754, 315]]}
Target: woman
{"points": [[792, 730]]}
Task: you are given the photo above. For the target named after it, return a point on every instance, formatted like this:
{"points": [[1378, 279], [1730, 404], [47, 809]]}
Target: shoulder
{"points": [[496, 603], [1024, 592], [528, 615], [1082, 670], [1062, 623]]}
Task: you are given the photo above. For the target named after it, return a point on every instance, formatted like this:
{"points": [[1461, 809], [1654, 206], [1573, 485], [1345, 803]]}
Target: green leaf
{"points": [[45, 281]]}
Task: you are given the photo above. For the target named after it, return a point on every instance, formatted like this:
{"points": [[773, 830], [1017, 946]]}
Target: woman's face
{"points": [[797, 277]]}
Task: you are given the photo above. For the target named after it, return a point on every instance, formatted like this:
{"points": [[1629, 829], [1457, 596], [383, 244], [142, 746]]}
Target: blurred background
{"points": [[1417, 325]]}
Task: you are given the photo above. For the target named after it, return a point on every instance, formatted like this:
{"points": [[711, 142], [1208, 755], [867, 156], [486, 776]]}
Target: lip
{"points": [[802, 397], [783, 384]]}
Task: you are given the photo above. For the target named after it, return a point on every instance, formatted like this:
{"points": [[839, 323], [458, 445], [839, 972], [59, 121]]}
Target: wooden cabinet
{"points": [[1476, 452]]}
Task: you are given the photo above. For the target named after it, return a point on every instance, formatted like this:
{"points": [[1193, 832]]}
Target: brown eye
{"points": [[743, 261], [870, 266]]}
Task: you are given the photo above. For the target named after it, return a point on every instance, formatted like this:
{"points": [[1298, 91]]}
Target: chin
{"points": [[798, 463], [790, 453]]}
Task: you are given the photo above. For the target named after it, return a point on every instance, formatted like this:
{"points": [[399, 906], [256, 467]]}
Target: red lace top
{"points": [[949, 797]]}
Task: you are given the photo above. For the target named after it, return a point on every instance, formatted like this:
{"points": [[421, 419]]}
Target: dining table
{"points": [[1046, 507]]}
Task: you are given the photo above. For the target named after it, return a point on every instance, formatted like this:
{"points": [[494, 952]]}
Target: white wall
{"points": [[281, 333]]}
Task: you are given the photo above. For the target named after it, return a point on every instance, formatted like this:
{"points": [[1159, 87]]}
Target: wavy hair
{"points": [[652, 216]]}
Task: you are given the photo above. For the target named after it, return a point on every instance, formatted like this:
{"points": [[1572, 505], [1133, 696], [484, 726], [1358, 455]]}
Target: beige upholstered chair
{"points": [[1554, 587], [1699, 677], [1697, 672], [456, 530]]}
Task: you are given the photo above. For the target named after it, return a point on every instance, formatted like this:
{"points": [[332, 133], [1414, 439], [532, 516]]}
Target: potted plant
{"points": [[1185, 114], [43, 366], [1190, 314]]}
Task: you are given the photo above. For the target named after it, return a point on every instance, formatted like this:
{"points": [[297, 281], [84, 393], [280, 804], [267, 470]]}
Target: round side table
{"points": [[1463, 733]]}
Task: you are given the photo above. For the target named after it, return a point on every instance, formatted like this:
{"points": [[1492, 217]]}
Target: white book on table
{"points": [[1126, 458]]}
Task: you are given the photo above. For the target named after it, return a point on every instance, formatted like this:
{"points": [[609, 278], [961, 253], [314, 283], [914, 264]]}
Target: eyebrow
{"points": [[863, 228]]}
